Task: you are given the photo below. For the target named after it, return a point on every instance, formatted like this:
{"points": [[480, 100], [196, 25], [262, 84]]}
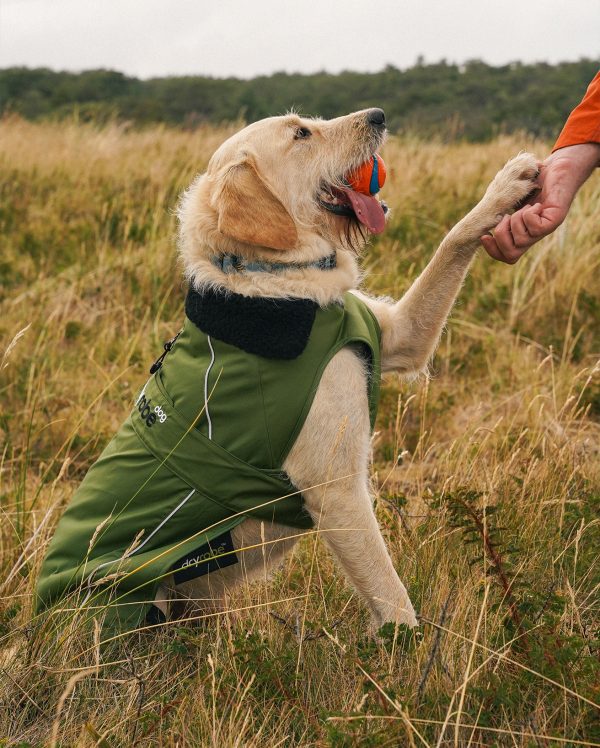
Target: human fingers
{"points": [[519, 228], [490, 246], [543, 220], [505, 242], [498, 243]]}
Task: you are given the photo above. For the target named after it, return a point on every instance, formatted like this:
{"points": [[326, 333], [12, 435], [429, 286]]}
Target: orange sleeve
{"points": [[583, 124]]}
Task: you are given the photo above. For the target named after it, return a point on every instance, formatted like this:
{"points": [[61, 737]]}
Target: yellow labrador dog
{"points": [[274, 193]]}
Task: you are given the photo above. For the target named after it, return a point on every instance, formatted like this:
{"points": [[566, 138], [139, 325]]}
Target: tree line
{"points": [[473, 101]]}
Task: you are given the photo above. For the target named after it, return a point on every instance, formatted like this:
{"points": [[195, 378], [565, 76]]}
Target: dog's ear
{"points": [[249, 212]]}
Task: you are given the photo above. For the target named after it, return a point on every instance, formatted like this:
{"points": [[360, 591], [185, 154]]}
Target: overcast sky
{"points": [[248, 37]]}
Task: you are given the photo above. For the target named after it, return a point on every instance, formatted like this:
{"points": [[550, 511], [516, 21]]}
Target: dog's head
{"points": [[277, 190]]}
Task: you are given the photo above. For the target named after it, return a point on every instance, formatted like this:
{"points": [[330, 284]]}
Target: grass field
{"points": [[487, 474]]}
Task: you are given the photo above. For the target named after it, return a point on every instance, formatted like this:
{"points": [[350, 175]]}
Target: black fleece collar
{"points": [[271, 328]]}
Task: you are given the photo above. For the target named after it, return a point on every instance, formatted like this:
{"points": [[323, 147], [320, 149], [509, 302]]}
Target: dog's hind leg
{"points": [[259, 548]]}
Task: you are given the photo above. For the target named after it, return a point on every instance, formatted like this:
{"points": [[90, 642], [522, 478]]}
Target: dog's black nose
{"points": [[376, 117]]}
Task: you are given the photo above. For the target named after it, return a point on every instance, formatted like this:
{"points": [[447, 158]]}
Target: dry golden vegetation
{"points": [[486, 474]]}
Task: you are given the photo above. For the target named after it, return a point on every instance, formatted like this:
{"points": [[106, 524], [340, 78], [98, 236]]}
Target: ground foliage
{"points": [[474, 101], [486, 474]]}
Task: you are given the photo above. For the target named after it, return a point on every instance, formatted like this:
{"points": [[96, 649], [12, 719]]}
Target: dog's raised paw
{"points": [[513, 184]]}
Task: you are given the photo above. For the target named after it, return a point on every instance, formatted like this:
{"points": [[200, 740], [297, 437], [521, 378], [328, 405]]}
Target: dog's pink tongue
{"points": [[368, 210]]}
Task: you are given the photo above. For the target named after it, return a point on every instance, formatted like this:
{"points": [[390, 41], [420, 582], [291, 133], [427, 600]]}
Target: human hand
{"points": [[561, 175]]}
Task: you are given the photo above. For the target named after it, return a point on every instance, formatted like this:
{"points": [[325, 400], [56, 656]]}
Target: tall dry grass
{"points": [[487, 474]]}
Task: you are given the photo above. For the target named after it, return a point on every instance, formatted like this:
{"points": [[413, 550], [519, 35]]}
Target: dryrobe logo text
{"points": [[195, 560], [150, 414]]}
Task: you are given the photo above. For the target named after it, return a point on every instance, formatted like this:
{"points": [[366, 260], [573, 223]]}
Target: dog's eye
{"points": [[302, 132]]}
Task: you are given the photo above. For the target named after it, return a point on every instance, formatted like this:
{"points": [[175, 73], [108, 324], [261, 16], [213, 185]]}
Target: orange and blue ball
{"points": [[369, 178]]}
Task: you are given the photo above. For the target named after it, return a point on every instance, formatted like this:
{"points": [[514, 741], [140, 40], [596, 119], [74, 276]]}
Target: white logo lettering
{"points": [[160, 414]]}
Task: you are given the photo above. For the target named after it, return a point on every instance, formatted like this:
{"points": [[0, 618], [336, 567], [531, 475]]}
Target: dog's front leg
{"points": [[344, 516], [411, 327], [329, 464]]}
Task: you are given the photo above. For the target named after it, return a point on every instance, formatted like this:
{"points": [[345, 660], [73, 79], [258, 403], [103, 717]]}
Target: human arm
{"points": [[575, 155], [561, 176]]}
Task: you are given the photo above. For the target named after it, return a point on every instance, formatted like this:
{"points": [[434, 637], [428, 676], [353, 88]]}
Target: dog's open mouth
{"points": [[344, 201]]}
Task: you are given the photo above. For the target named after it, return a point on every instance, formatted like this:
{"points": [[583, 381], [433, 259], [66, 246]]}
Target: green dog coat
{"points": [[202, 450]]}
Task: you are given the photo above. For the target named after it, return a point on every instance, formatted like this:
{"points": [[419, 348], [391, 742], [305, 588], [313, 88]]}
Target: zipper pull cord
{"points": [[167, 347]]}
